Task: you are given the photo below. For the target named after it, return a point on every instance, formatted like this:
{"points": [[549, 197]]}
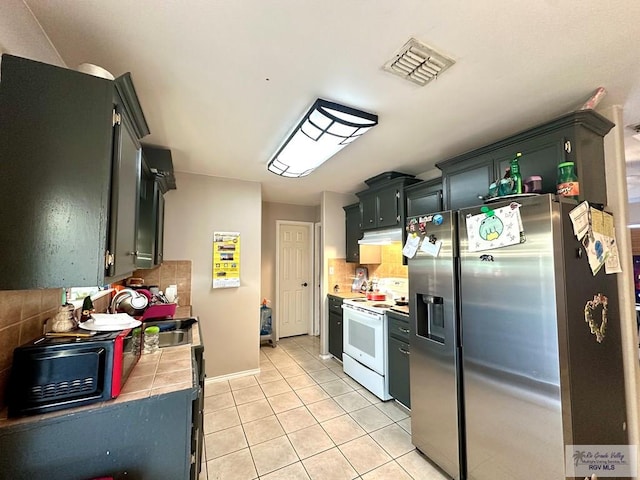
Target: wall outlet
{"points": [[331, 270]]}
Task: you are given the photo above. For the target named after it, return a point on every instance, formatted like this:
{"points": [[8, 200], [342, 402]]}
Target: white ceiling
{"points": [[223, 82]]}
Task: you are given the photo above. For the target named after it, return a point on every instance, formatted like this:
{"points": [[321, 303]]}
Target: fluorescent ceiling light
{"points": [[324, 130]]}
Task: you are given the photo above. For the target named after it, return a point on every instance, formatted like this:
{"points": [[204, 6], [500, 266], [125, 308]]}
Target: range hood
{"points": [[381, 237]]}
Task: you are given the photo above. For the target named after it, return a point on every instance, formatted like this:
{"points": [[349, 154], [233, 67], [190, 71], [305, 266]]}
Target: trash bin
{"points": [[267, 331]]}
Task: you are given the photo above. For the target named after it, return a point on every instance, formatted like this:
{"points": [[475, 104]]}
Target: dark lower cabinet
{"points": [[398, 356], [197, 416], [141, 439], [335, 326]]}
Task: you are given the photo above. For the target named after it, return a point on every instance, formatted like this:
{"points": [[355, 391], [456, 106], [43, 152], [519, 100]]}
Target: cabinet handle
{"points": [[338, 323], [371, 220], [403, 330], [380, 218], [402, 350], [134, 253], [108, 259]]}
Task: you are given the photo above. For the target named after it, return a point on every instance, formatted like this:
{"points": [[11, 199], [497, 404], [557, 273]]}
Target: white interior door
{"points": [[295, 280]]}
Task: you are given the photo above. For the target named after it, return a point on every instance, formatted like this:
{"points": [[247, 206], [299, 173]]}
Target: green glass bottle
{"points": [[516, 177]]}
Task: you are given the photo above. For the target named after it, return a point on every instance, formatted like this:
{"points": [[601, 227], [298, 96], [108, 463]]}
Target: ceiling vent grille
{"points": [[418, 63]]}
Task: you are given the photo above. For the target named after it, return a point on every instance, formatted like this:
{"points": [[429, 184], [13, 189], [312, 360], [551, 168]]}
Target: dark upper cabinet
{"points": [[424, 197], [55, 175], [159, 199], [125, 187], [383, 204], [125, 219], [368, 209], [353, 232], [468, 186], [146, 232], [576, 137], [69, 173], [157, 178]]}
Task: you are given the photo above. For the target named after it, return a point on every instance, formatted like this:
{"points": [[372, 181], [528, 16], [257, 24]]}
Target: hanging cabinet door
{"points": [[55, 175], [124, 198]]}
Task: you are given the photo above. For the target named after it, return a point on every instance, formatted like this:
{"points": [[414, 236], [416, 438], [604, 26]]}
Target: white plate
{"points": [[112, 327]]}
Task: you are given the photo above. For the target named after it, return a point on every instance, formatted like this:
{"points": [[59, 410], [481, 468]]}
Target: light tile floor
{"points": [[303, 418]]}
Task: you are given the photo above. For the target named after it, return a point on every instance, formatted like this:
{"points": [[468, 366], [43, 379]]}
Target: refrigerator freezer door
{"points": [[434, 404], [511, 370]]}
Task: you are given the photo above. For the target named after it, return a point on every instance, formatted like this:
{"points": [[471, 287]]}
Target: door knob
{"points": [[304, 284]]}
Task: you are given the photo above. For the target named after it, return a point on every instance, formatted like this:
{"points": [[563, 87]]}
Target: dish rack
{"points": [[159, 310]]}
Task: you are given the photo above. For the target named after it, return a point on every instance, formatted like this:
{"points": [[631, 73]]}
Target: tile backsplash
{"points": [[390, 263], [171, 272], [23, 314], [390, 267]]}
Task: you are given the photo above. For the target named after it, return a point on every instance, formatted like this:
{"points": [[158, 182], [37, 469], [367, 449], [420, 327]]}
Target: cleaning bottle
{"points": [[515, 174]]}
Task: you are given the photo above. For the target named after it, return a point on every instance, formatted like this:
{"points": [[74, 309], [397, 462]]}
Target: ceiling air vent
{"points": [[418, 62]]}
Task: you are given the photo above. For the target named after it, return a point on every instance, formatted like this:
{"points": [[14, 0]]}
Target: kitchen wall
{"points": [[20, 34], [333, 246], [22, 316], [390, 263], [271, 212], [618, 204], [229, 317]]}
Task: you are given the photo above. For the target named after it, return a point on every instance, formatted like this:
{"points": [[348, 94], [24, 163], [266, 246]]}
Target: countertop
{"points": [[166, 371], [403, 310]]}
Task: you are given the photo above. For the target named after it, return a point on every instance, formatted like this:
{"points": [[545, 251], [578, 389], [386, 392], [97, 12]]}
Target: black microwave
{"points": [[54, 373]]}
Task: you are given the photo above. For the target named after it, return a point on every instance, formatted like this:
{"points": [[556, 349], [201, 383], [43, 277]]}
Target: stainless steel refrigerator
{"points": [[504, 369]]}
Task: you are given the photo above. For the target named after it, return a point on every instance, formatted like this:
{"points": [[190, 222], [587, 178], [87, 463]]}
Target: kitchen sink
{"points": [[172, 338], [173, 332]]}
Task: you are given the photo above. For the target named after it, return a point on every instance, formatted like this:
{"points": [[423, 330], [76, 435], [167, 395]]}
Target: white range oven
{"points": [[364, 355]]}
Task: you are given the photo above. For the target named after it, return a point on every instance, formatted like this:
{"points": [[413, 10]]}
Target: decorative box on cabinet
{"points": [[576, 137], [383, 204], [335, 326], [68, 177]]}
